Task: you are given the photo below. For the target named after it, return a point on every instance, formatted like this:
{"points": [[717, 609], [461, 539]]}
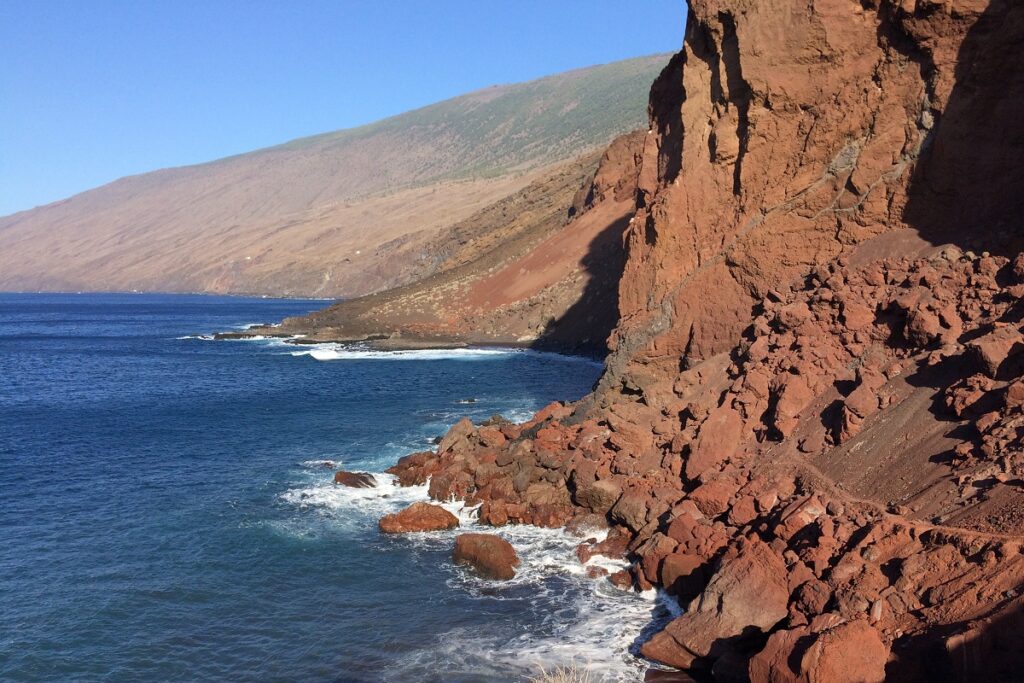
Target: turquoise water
{"points": [[167, 511]]}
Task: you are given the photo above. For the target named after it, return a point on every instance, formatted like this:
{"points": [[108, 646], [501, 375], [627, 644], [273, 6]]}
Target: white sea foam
{"points": [[332, 351], [518, 415], [344, 352], [592, 624], [201, 337], [263, 339], [319, 464], [364, 505], [329, 351]]}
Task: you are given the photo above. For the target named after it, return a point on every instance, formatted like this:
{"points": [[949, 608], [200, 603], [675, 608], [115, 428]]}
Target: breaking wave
{"points": [[329, 351], [341, 352], [576, 619]]}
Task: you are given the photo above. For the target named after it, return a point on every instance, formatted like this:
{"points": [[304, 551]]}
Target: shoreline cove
{"points": [[611, 624]]}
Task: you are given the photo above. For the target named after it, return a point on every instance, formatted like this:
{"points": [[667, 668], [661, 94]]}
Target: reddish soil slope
{"points": [[541, 267]]}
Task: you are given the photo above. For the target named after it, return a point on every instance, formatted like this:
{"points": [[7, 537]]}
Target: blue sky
{"points": [[92, 91]]}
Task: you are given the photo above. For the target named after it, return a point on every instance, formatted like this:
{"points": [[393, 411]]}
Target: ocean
{"points": [[168, 513]]}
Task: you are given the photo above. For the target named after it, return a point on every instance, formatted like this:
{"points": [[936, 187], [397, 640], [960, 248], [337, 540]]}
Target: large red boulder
{"points": [[631, 510], [683, 575], [993, 350], [719, 438], [599, 496], [747, 593], [418, 517], [853, 651], [826, 650], [712, 498], [457, 438], [490, 556], [792, 394]]}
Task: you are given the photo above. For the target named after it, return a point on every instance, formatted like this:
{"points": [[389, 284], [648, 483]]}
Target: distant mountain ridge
{"points": [[336, 214]]}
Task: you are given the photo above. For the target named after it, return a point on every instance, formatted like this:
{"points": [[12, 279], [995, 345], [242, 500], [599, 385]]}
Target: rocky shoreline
{"points": [[809, 427], [385, 343], [770, 559], [374, 343]]}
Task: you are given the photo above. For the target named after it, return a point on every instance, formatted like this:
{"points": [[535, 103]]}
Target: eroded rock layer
{"points": [[809, 429]]}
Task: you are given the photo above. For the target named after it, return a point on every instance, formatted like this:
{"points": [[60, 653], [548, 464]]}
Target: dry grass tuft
{"points": [[563, 674]]}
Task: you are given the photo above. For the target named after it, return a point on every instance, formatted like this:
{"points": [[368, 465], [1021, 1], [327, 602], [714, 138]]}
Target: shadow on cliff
{"points": [[968, 189], [585, 326], [961, 653], [968, 185]]}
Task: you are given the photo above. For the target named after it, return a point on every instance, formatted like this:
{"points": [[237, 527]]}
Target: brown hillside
{"points": [[339, 214]]}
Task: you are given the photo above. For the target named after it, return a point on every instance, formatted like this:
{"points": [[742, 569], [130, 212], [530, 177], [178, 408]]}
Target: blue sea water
{"points": [[167, 511]]}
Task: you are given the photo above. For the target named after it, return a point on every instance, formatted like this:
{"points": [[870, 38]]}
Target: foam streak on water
{"points": [[332, 351]]}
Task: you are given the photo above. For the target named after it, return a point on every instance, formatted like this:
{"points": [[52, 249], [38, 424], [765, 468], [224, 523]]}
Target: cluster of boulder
{"points": [[709, 488], [489, 555]]}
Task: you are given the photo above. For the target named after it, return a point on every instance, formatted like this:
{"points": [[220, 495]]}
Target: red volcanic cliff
{"points": [[810, 427], [786, 134]]}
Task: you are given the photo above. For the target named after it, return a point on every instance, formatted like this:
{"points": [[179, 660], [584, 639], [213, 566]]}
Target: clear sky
{"points": [[92, 91]]}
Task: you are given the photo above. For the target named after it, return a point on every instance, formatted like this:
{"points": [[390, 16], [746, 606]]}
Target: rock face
{"points": [[418, 517], [490, 556], [809, 428], [747, 594], [771, 156], [356, 480]]}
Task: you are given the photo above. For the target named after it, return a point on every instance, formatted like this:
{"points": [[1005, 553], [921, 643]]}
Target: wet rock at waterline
{"points": [[418, 517], [356, 480], [490, 556]]}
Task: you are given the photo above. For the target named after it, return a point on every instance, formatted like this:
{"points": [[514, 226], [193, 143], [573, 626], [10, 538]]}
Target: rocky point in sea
{"points": [[808, 428]]}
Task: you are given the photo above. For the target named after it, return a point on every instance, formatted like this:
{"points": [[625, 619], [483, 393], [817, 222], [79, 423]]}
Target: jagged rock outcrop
{"points": [[809, 426], [771, 155], [356, 480]]}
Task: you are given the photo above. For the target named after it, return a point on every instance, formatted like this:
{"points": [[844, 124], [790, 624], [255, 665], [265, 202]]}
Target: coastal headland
{"points": [[808, 428]]}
